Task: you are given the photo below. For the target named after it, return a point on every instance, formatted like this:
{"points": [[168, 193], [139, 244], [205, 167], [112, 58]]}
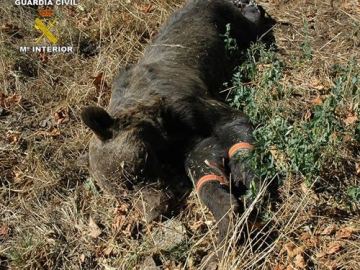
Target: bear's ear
{"points": [[99, 121]]}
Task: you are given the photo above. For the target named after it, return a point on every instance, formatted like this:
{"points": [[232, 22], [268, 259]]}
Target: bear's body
{"points": [[163, 105]]}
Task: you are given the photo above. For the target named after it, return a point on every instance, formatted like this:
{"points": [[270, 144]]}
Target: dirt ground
{"points": [[52, 214]]}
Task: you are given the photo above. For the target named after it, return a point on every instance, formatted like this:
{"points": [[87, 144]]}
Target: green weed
{"points": [[178, 253], [286, 142], [305, 46], [354, 193], [231, 46]]}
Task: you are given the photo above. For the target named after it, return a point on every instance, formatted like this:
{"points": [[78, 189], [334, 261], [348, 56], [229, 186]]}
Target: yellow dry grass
{"points": [[52, 215]]}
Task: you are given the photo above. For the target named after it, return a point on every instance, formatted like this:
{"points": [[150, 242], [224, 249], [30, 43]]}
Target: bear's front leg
{"points": [[235, 135], [205, 166]]}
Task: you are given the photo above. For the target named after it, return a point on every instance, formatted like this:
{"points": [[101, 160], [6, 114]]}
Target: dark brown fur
{"points": [[169, 100]]}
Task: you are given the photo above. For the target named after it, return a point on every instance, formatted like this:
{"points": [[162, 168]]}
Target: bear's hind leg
{"points": [[204, 166]]}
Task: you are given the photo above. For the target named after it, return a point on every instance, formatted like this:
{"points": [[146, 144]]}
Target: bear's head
{"points": [[125, 146]]}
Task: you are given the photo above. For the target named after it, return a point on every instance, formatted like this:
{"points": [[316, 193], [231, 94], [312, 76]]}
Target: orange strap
{"points": [[210, 177], [239, 146]]}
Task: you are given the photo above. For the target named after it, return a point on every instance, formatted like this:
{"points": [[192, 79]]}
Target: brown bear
{"points": [[165, 104]]}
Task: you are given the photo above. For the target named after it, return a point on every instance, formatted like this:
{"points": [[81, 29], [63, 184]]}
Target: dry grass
{"points": [[48, 199]]}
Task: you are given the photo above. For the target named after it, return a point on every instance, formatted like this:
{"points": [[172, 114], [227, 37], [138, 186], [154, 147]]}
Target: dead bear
{"points": [[166, 103]]}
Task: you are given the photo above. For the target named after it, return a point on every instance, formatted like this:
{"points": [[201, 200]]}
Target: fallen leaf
{"points": [[320, 254], [299, 261], [308, 239], [329, 230], [262, 67], [120, 214], [316, 101], [127, 230], [319, 87], [316, 84], [292, 250], [4, 230], [305, 236], [145, 8], [308, 191], [305, 188], [123, 209], [334, 247], [9, 101], [18, 176], [357, 167], [346, 232], [350, 119], [299, 250], [82, 258], [347, 138], [94, 230], [331, 265], [108, 250], [13, 100], [52, 132], [99, 82], [61, 116], [197, 225], [13, 137], [288, 247], [118, 222], [279, 267]]}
